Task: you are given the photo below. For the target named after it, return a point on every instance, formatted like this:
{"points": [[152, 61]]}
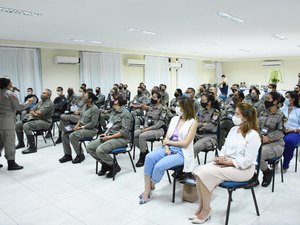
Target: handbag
{"points": [[68, 129]]}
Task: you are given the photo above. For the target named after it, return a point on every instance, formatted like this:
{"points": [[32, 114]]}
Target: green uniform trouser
{"points": [[74, 138], [204, 142], [32, 125], [100, 150], [8, 141], [140, 139]]}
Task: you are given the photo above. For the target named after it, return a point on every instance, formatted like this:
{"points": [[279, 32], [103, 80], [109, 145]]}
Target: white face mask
{"points": [[236, 120], [178, 111], [269, 90], [287, 102]]}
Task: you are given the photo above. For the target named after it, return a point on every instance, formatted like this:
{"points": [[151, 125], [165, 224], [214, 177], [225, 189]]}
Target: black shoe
{"points": [[20, 145], [267, 178], [48, 135], [141, 160], [29, 150], [65, 158], [104, 169], [58, 140], [12, 165], [78, 159], [111, 174]]}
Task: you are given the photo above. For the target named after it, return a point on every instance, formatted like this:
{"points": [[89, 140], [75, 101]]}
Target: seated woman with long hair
{"points": [[177, 148], [236, 161]]}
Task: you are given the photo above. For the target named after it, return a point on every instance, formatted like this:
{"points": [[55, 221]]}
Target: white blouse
{"points": [[243, 150]]}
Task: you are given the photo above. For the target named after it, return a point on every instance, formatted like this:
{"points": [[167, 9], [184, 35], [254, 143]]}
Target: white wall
{"points": [[252, 72]]}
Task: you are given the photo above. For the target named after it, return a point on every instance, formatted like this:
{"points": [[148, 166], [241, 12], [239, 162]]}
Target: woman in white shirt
{"points": [[236, 161], [177, 148]]}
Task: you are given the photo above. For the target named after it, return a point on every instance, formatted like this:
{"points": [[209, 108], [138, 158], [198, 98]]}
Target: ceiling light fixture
{"points": [[244, 50], [229, 17], [279, 37], [96, 42], [19, 12], [142, 31], [78, 40]]}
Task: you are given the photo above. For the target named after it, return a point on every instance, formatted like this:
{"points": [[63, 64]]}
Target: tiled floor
{"points": [[49, 193]]}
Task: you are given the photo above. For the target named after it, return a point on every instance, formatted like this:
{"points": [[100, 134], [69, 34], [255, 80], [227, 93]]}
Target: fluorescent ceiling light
{"points": [[96, 42], [229, 17], [279, 37], [19, 12], [244, 50], [78, 40], [142, 31]]}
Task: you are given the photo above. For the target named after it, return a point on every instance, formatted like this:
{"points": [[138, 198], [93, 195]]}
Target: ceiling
{"points": [[183, 27]]}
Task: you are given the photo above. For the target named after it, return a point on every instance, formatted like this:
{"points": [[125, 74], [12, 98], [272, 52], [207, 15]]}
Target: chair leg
{"points": [[133, 152], [198, 159], [114, 168], [205, 157], [273, 175], [296, 163], [51, 136], [97, 166], [169, 177], [174, 187], [281, 169], [151, 146], [131, 162], [44, 138], [255, 202], [228, 206]]}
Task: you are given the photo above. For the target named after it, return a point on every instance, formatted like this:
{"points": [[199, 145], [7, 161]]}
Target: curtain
{"points": [[187, 75], [23, 67], [99, 69], [156, 71]]}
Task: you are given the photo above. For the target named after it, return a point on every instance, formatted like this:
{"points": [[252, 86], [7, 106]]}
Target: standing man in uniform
{"points": [[38, 118], [9, 104], [117, 135]]}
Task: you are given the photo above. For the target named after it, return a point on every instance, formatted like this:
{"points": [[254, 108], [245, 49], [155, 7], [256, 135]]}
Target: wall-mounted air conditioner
{"points": [[175, 65], [136, 62], [66, 60], [209, 65], [271, 63]]}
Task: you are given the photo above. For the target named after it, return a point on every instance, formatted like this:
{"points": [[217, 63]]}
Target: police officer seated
{"points": [[101, 98], [117, 135], [60, 105], [86, 127], [39, 118], [136, 105], [153, 127], [208, 118], [72, 117]]}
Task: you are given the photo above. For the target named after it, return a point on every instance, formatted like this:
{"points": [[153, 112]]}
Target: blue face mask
{"points": [[287, 102]]}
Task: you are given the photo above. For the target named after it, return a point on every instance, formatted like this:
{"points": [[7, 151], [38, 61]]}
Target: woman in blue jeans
{"points": [[177, 148], [292, 126]]}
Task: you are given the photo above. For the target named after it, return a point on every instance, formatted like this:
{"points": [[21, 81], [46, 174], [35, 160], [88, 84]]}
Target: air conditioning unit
{"points": [[136, 62], [209, 65], [175, 65], [271, 63], [66, 60]]}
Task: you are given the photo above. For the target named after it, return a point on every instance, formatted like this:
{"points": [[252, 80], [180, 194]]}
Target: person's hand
{"points": [[167, 150], [265, 139], [76, 112], [76, 128], [166, 142], [30, 100], [220, 160]]}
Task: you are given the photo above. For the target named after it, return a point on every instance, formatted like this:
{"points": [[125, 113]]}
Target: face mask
{"points": [[80, 94], [268, 104], [287, 102], [153, 101], [269, 90], [29, 92], [236, 120], [97, 91], [43, 97], [139, 92], [233, 90], [178, 111], [58, 93], [187, 95], [253, 96], [176, 95], [235, 99], [204, 104]]}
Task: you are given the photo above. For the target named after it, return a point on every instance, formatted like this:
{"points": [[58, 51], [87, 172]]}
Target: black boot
{"points": [[104, 168], [267, 178], [48, 135], [32, 147], [141, 160], [78, 159], [20, 137], [59, 140], [65, 158], [12, 165], [254, 180], [112, 173]]}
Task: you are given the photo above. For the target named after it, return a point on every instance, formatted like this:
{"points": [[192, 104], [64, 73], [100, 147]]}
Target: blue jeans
{"points": [[157, 162], [291, 141]]}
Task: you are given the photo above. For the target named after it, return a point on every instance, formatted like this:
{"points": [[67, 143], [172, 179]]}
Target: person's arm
{"points": [[94, 119], [183, 143]]}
